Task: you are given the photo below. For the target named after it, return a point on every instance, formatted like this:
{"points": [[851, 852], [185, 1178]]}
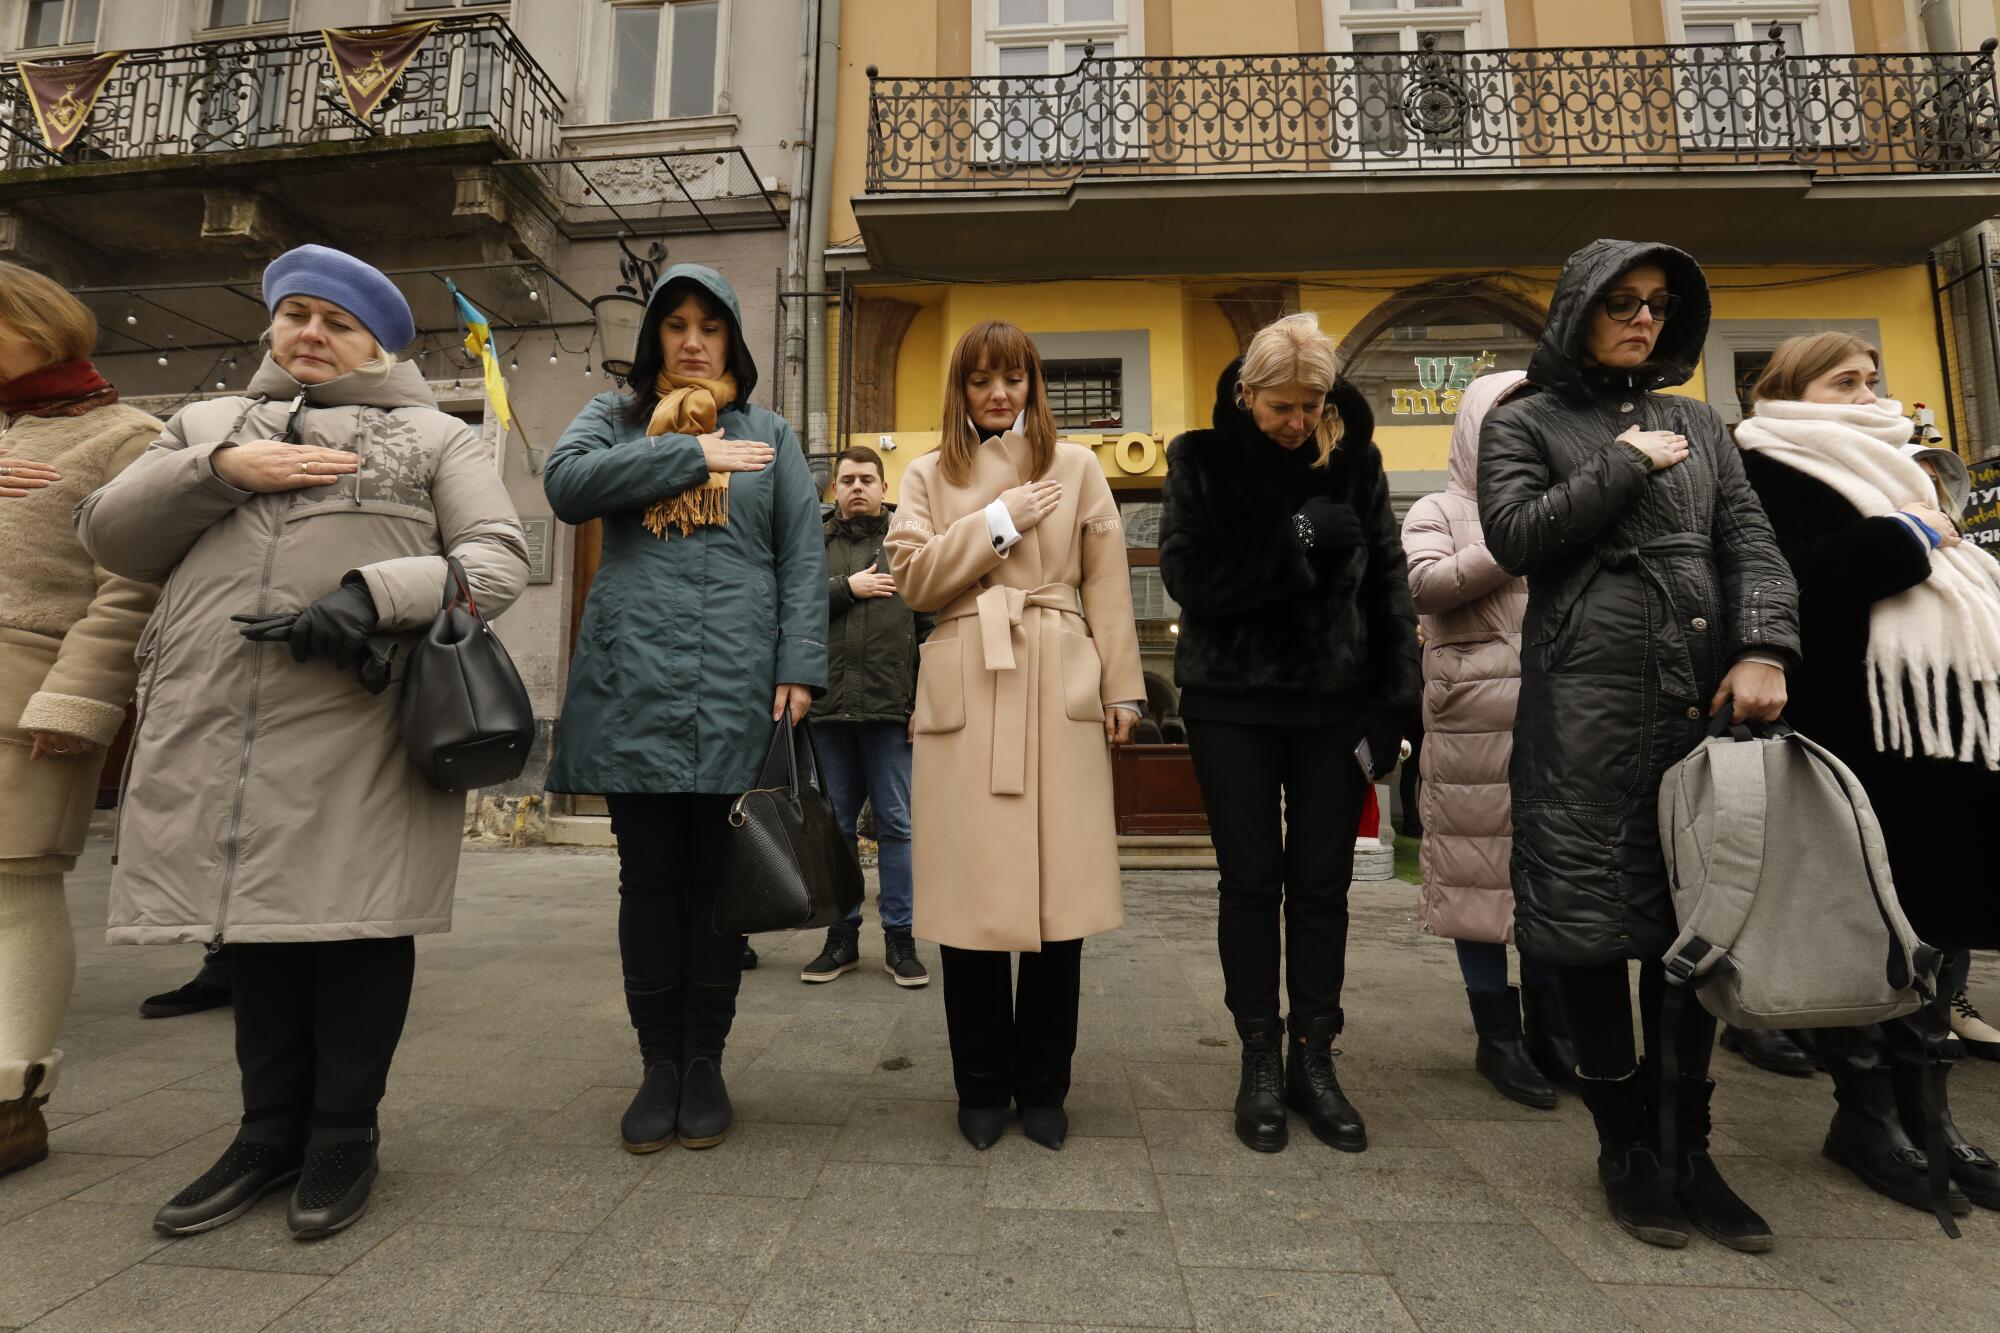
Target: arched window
{"points": [[1414, 354]]}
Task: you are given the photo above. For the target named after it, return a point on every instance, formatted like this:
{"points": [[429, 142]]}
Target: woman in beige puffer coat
{"points": [[271, 803], [1470, 612]]}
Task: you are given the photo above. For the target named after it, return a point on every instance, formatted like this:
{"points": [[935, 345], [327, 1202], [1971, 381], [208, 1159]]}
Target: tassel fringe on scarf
{"points": [[1933, 650], [689, 406]]}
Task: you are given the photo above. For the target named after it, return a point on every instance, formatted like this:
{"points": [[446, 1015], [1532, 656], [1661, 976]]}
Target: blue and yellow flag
{"points": [[479, 342]]}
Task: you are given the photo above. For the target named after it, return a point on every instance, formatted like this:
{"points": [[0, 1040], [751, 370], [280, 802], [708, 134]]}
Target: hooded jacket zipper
{"points": [[232, 856]]}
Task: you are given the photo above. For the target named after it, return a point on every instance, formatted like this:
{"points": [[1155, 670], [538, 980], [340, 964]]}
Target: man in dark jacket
{"points": [[864, 717]]}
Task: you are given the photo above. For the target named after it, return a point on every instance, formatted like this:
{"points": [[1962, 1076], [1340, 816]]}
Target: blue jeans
{"points": [[872, 760], [1484, 965]]}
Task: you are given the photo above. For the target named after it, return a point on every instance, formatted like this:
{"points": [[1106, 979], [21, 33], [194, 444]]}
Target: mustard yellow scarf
{"points": [[689, 406]]}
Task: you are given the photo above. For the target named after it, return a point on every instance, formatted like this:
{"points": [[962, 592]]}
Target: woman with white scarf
{"points": [[1901, 623]]}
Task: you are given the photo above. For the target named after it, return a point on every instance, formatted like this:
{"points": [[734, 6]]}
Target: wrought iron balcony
{"points": [[279, 91], [1674, 108]]}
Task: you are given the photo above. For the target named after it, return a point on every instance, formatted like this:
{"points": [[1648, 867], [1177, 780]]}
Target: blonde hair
{"points": [[1292, 350], [995, 346], [1799, 361], [37, 308]]}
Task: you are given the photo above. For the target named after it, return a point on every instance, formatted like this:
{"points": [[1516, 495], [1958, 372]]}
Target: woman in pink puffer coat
{"points": [[1470, 611]]}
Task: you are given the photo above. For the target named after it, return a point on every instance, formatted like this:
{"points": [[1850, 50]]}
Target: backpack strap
{"points": [[1735, 857]]}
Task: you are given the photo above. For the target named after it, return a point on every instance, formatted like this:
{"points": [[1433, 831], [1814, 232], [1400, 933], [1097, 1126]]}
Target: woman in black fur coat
{"points": [[1888, 592], [1297, 659]]}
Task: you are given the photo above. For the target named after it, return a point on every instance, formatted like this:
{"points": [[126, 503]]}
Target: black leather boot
{"points": [[1260, 1094], [1770, 1049], [1713, 1207], [1867, 1136], [1547, 1035], [1502, 1056], [705, 1113], [24, 1132], [1973, 1172], [651, 1120], [1313, 1090], [334, 1184], [1628, 1164]]}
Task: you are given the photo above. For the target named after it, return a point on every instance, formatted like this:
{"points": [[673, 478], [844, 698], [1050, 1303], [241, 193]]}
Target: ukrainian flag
{"points": [[479, 342]]}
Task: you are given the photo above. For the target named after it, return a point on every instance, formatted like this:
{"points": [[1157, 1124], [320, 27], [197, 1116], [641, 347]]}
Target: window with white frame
{"points": [[665, 59], [1737, 350], [1050, 106], [1383, 34], [454, 4], [1732, 92], [58, 23], [246, 13]]}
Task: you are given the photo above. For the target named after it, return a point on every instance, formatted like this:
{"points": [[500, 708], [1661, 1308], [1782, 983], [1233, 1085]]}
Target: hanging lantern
{"points": [[618, 316]]}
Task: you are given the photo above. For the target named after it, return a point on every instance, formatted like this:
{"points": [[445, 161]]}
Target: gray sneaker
{"points": [[899, 958], [841, 955]]}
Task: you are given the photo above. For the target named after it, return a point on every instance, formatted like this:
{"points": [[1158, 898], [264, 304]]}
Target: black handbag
{"points": [[785, 863], [465, 714]]}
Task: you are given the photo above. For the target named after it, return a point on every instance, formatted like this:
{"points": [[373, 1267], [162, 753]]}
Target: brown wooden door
{"points": [[589, 551]]}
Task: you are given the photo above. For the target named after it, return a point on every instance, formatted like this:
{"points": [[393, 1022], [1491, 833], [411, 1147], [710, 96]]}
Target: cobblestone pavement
{"points": [[845, 1198]]}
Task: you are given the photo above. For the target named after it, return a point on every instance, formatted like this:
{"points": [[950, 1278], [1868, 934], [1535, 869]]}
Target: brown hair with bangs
{"points": [[40, 310], [994, 346], [1801, 360]]}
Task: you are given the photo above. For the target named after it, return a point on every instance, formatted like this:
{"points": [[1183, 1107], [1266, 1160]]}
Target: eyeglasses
{"points": [[1625, 308]]}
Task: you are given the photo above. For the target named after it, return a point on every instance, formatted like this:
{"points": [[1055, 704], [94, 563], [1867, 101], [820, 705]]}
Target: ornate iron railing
{"points": [[1674, 107], [279, 91]]}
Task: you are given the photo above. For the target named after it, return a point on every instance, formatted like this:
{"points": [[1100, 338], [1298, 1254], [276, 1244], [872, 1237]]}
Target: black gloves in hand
{"points": [[1383, 731], [336, 626], [1331, 528]]}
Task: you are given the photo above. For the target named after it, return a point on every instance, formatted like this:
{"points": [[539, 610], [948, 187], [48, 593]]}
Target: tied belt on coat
{"points": [[1000, 610], [1653, 560]]}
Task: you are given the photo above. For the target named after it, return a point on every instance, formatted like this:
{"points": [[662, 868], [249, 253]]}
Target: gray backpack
{"points": [[1781, 884]]}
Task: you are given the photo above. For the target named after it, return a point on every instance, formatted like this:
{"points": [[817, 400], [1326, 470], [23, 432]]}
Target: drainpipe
{"points": [[827, 88], [1939, 32], [792, 371]]}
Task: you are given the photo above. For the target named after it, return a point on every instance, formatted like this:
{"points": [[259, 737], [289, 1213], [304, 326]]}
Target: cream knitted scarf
{"points": [[1935, 646]]}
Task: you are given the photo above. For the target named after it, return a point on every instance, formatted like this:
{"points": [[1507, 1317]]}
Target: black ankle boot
{"points": [[705, 1112], [1628, 1164], [1713, 1208], [1867, 1136], [245, 1173], [1046, 1125], [652, 1118], [334, 1183], [1313, 1090], [982, 1125], [1502, 1057], [1260, 1094], [1769, 1049], [1973, 1173]]}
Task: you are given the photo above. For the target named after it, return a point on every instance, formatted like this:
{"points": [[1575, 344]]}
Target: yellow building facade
{"points": [[946, 105]]}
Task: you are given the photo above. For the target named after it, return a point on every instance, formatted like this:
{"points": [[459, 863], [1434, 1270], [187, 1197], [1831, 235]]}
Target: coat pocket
{"points": [[1082, 677], [940, 687]]}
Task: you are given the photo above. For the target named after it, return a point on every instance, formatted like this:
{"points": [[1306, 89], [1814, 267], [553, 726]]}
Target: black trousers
{"points": [[669, 869], [1008, 1043], [316, 1027], [1249, 773], [1597, 1005]]}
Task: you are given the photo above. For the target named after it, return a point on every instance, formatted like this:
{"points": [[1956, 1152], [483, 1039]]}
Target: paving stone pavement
{"points": [[845, 1198]]}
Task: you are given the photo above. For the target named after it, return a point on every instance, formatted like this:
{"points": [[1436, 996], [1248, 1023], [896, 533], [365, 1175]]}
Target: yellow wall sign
{"points": [[1441, 382]]}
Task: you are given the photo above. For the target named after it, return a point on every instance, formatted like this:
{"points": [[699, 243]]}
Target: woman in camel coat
{"points": [[1013, 539]]}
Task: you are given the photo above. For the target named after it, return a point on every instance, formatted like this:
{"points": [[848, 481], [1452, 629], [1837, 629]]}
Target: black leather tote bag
{"points": [[465, 714], [785, 863]]}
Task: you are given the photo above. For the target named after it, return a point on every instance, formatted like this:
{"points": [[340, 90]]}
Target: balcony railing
{"points": [[279, 91], [1674, 107]]}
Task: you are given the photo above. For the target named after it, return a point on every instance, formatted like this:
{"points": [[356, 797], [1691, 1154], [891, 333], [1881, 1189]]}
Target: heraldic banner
{"points": [[369, 61], [63, 94]]}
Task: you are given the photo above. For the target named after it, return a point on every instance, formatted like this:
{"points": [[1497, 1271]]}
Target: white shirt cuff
{"points": [[1764, 659], [1134, 709], [1000, 526]]}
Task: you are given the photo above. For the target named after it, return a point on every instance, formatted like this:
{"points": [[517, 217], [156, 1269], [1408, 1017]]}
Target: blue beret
{"points": [[359, 289]]}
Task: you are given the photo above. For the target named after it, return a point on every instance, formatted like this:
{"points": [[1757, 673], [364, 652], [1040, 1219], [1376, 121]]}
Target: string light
{"points": [[552, 358], [162, 361], [534, 295], [130, 317], [513, 363]]}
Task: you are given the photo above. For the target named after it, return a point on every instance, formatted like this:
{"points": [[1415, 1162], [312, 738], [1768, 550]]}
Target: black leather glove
{"points": [[1383, 731], [336, 626], [377, 665], [1329, 528]]}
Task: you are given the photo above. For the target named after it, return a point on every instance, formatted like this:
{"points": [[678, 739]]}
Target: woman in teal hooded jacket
{"points": [[706, 622]]}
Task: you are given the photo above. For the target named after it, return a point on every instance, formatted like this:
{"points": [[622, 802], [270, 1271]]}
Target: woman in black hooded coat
{"points": [[1656, 594]]}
